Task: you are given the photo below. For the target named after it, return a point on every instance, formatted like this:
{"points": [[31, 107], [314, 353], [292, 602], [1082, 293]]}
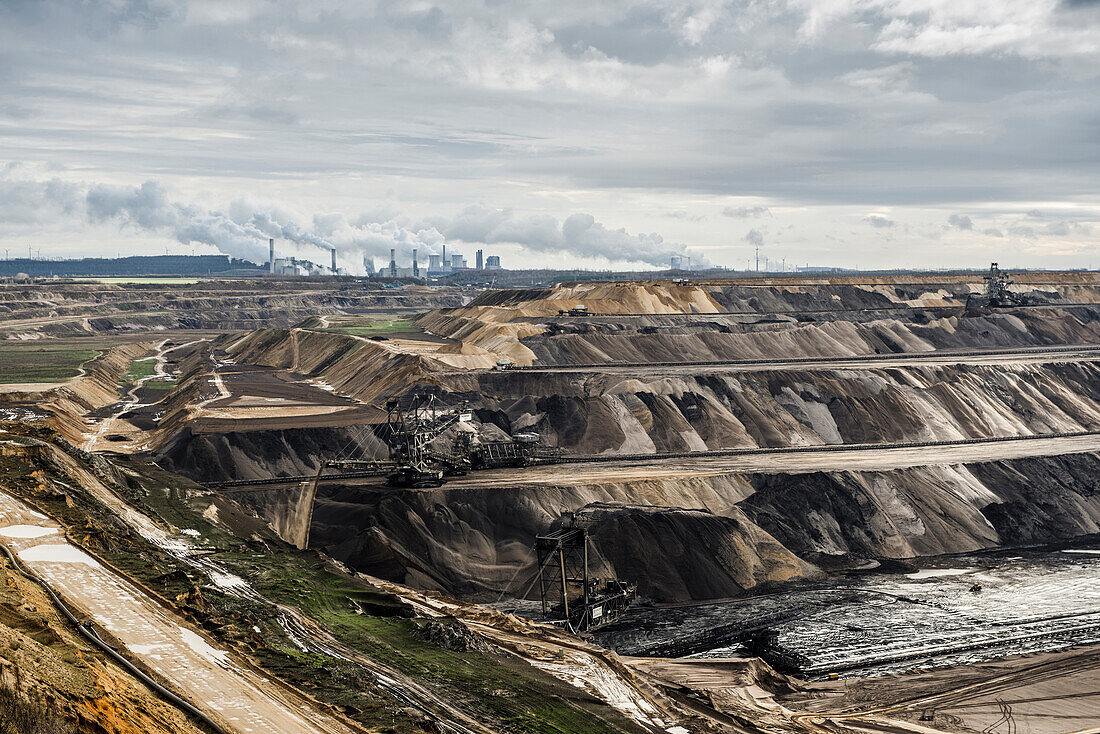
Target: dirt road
{"points": [[1050, 693], [783, 462], [800, 461], [212, 678], [1030, 355], [131, 400]]}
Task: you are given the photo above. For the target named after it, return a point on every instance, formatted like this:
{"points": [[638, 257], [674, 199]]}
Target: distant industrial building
{"points": [[294, 266], [439, 264]]}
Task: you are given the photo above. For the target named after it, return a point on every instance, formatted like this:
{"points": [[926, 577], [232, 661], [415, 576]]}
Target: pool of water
{"points": [[953, 611]]}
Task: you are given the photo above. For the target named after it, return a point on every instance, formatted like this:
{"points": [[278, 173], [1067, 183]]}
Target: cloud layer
{"points": [[567, 131]]}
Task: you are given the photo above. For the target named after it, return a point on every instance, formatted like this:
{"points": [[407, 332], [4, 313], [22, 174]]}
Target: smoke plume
{"points": [[579, 234], [242, 230]]}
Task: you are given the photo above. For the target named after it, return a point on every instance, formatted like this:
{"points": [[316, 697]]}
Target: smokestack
{"points": [[416, 270], [393, 263], [334, 261], [271, 255]]}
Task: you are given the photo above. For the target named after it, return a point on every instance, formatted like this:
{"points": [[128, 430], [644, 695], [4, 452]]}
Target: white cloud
{"points": [[1028, 28], [579, 235]]}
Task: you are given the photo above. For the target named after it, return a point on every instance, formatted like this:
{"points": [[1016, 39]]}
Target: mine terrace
{"points": [[763, 504]]}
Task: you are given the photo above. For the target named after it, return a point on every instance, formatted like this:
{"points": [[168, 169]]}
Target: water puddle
{"points": [[26, 531], [61, 553]]}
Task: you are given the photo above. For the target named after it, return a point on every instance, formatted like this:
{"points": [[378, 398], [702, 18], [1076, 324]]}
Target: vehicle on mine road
{"points": [[410, 477], [574, 311]]}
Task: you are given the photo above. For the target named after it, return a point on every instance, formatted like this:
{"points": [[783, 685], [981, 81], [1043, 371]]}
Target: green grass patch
{"points": [[377, 328], [34, 362], [507, 690], [140, 368], [161, 384], [145, 281]]}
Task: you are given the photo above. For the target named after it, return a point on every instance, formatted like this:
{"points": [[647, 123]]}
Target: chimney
{"points": [[416, 270], [393, 263], [334, 261], [271, 255]]}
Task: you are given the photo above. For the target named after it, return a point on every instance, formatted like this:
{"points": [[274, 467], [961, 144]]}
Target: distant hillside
{"points": [[136, 265]]}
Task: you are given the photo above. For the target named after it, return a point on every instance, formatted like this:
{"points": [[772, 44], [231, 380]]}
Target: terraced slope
{"points": [[764, 523]]}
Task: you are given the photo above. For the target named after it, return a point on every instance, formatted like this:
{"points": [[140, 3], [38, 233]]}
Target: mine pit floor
{"points": [[875, 624]]}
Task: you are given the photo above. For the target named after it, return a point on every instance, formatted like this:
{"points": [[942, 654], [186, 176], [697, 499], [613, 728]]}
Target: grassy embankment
{"points": [[493, 687], [144, 367], [139, 368], [21, 716], [377, 328], [362, 325]]}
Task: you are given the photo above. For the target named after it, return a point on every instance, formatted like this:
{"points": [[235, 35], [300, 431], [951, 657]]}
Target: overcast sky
{"points": [[599, 133]]}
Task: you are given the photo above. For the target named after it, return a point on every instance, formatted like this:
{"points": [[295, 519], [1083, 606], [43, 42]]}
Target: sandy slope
{"points": [[212, 678]]}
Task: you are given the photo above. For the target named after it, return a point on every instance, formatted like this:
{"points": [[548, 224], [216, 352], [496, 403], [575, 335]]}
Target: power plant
{"points": [[295, 266], [439, 264]]}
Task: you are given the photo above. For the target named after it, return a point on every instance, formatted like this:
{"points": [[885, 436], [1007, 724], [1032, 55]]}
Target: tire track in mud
{"points": [[981, 688]]}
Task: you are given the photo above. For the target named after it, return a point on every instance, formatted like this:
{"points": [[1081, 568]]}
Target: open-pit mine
{"points": [[835, 504]]}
